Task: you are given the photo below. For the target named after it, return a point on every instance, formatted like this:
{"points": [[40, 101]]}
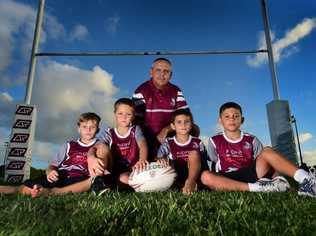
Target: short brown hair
{"points": [[162, 59], [229, 105], [125, 101], [89, 116]]}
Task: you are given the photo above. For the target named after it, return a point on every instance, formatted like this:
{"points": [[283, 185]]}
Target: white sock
{"points": [[254, 187], [300, 175]]}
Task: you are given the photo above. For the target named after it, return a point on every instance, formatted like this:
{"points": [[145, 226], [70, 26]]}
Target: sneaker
{"points": [[308, 187], [277, 184], [98, 186]]}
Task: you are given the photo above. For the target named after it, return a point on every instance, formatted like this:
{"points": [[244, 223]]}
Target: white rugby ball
{"points": [[154, 178]]}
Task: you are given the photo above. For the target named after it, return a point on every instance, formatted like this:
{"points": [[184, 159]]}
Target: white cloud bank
{"points": [[61, 91], [283, 47], [304, 137], [309, 157]]}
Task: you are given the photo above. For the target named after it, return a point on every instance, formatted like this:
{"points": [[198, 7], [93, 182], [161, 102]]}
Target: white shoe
{"points": [[308, 187], [277, 184]]}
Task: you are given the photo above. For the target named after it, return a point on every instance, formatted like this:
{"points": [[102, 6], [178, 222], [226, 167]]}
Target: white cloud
{"points": [[304, 137], [7, 107], [14, 18], [63, 92], [44, 152], [79, 32], [111, 24], [16, 36], [6, 97], [285, 46], [309, 157]]}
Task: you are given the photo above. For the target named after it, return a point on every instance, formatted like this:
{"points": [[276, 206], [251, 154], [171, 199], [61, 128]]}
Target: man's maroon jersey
{"points": [[156, 106]]}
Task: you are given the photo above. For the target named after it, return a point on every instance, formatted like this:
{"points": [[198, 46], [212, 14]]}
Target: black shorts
{"points": [[61, 182], [247, 174]]}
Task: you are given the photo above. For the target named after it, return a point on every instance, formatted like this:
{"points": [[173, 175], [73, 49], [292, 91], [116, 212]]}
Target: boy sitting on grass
{"points": [[184, 151], [242, 164], [127, 144], [68, 171]]}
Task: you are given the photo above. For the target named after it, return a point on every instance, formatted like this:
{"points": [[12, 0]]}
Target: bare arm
{"points": [[51, 173], [96, 157], [163, 133], [143, 155]]}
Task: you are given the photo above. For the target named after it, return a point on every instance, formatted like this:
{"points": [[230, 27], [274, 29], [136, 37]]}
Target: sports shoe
{"points": [[308, 187], [277, 184], [98, 186]]}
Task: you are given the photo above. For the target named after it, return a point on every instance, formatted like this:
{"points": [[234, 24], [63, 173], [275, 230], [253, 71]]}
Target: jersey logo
{"points": [[173, 102], [247, 145], [195, 145]]}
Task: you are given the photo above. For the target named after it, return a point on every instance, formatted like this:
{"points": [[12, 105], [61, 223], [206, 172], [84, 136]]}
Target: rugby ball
{"points": [[154, 178]]}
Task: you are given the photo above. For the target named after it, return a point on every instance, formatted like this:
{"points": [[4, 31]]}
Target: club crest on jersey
{"points": [[173, 102], [195, 145], [247, 145]]}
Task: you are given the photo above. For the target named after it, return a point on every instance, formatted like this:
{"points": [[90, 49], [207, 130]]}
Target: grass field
{"points": [[168, 213]]}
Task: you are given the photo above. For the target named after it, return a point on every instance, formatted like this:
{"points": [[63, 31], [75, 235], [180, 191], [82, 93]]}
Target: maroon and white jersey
{"points": [[156, 106], [179, 152], [232, 155], [71, 159], [124, 148]]}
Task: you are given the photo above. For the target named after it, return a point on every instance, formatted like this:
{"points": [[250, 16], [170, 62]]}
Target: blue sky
{"points": [[65, 87]]}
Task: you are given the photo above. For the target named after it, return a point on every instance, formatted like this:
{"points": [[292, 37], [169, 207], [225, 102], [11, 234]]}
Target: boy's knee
{"points": [[206, 177]]}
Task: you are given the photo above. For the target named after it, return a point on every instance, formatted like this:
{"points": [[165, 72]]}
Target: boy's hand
{"points": [[95, 166], [163, 134], [52, 176], [164, 162], [140, 165]]}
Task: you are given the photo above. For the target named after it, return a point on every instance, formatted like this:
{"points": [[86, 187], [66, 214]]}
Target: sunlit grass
{"points": [[168, 213]]}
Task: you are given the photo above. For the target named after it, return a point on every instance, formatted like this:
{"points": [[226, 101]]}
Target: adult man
{"points": [[155, 100]]}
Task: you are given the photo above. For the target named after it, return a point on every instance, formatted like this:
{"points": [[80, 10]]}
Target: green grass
{"points": [[168, 213]]}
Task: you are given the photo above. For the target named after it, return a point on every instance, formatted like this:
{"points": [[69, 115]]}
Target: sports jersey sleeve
{"points": [[139, 102], [138, 134], [164, 150], [105, 136], [212, 156], [212, 151], [60, 155], [257, 147], [181, 103]]}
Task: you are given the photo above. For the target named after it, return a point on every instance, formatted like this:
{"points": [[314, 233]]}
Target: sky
{"points": [[64, 87]]}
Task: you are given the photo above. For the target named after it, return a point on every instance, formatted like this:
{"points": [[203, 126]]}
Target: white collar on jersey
{"points": [[86, 145], [234, 141], [124, 136], [182, 144]]}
